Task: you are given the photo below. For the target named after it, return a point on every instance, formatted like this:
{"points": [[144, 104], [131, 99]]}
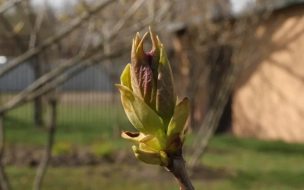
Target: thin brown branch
{"points": [[17, 100], [4, 184], [48, 149], [9, 4], [59, 80], [212, 119], [46, 78], [127, 15], [178, 169], [200, 82], [54, 39], [88, 38], [35, 23], [138, 26], [64, 77], [89, 61], [8, 27]]}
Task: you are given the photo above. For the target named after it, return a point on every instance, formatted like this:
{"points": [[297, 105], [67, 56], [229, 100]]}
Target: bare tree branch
{"points": [[214, 114], [55, 72], [127, 15], [137, 26], [53, 39], [27, 96], [15, 36], [9, 4], [59, 80], [36, 25], [90, 61], [178, 169], [4, 184], [64, 77], [47, 77], [48, 149], [87, 38]]}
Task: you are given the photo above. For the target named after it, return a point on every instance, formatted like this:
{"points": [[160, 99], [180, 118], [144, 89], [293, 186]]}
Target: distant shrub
{"points": [[62, 148], [102, 149]]}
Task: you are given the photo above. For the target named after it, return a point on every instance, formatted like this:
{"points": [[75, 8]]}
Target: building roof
{"points": [[276, 5]]}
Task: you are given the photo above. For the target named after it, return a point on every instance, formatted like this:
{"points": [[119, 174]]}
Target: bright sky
{"points": [[57, 4], [238, 5]]}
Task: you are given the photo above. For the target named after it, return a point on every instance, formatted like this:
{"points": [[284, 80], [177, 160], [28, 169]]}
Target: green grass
{"points": [[78, 124], [237, 163], [91, 178], [259, 164], [234, 164]]}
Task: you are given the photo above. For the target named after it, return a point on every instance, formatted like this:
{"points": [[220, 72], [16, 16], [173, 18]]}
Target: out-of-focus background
{"points": [[240, 62]]}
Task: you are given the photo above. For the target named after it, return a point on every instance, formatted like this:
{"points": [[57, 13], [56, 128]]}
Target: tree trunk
{"points": [[38, 101], [48, 149]]}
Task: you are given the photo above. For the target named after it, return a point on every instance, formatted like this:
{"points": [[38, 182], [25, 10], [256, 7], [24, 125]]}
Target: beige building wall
{"points": [[269, 97]]}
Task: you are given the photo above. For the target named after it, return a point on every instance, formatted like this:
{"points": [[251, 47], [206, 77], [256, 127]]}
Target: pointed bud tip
{"points": [[140, 47], [150, 31], [143, 39], [155, 43], [133, 47], [136, 41], [137, 36], [120, 88], [185, 102]]}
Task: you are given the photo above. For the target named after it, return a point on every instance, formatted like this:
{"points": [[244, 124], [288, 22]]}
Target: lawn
{"points": [[78, 124], [230, 163]]}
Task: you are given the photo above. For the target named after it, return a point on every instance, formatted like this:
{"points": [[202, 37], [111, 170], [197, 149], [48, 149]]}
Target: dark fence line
{"points": [[94, 78]]}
